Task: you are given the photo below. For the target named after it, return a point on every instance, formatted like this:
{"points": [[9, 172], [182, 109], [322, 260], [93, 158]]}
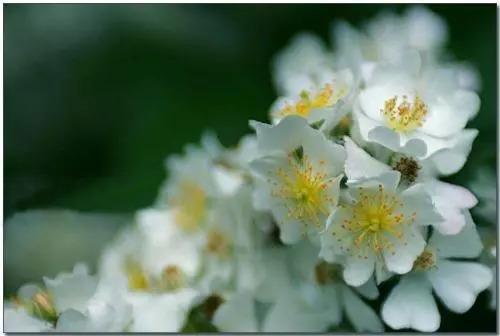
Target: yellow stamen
{"points": [[190, 205], [172, 278], [304, 190], [137, 278], [217, 243], [308, 101], [405, 116], [375, 220]]}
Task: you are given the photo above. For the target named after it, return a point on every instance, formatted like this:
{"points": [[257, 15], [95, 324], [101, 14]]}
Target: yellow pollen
{"points": [[43, 307], [137, 278], [405, 116], [190, 205], [375, 220], [172, 278], [217, 243], [303, 190], [325, 97]]}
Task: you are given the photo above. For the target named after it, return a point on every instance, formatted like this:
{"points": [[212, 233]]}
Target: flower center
{"points": [[408, 167], [375, 220], [325, 97], [190, 205], [425, 261], [325, 273], [136, 277], [303, 189], [217, 243], [403, 115], [172, 278]]}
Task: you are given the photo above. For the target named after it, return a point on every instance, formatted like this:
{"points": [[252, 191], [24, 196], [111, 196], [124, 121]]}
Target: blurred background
{"points": [[96, 96]]}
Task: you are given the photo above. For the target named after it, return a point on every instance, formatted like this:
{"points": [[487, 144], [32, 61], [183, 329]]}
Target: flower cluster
{"points": [[296, 228]]}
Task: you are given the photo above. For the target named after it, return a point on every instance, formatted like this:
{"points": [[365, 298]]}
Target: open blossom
{"points": [[418, 113], [69, 302], [378, 228], [457, 283], [388, 38], [452, 202], [310, 86], [297, 177], [151, 266], [295, 228], [193, 179]]}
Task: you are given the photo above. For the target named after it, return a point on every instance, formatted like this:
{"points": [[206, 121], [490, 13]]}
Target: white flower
{"points": [[451, 201], [417, 114], [17, 319], [320, 285], [417, 28], [388, 39], [68, 302], [193, 180], [151, 267], [319, 101], [297, 176], [377, 227], [303, 295], [230, 245], [457, 283], [299, 63]]}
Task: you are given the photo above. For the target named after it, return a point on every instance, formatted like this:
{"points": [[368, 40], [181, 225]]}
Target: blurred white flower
{"points": [[457, 283], [297, 176], [388, 38]]}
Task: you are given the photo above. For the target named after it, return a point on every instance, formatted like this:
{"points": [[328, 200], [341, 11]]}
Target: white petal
{"points": [[18, 320], [458, 283], [465, 244], [277, 281], [290, 314], [74, 321], [161, 313], [357, 271], [406, 250], [359, 164], [362, 316], [72, 290], [369, 289], [411, 305], [386, 137], [416, 199], [237, 314], [450, 201]]}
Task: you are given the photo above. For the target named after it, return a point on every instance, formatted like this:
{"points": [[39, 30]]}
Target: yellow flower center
{"points": [[325, 97], [41, 306], [376, 219], [217, 243], [404, 116], [136, 277], [304, 190], [172, 278], [190, 205]]}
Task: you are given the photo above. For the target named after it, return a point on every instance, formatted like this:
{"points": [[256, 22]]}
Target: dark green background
{"points": [[96, 96]]}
